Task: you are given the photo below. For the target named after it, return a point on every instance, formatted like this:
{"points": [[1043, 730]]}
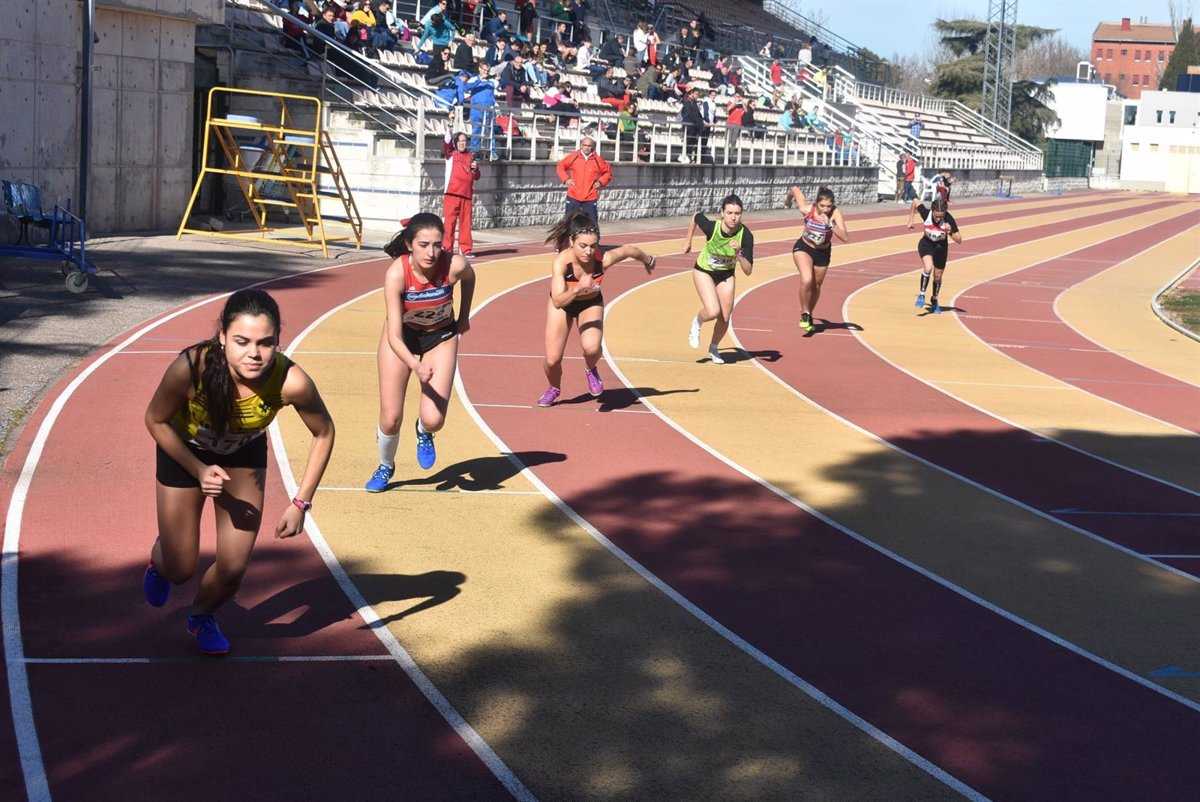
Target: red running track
{"points": [[925, 422], [1004, 710]]}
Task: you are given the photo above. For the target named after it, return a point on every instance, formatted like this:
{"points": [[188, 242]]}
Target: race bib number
{"points": [[429, 318], [720, 262]]}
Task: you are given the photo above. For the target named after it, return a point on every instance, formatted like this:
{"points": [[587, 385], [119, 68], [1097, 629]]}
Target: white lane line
{"points": [[173, 352], [1002, 384], [407, 489], [33, 769], [277, 658], [371, 618], [1175, 556], [1077, 511], [784, 672]]}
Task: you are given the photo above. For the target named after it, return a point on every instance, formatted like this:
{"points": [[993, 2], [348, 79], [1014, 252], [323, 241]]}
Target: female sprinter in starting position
{"points": [[575, 298], [728, 244], [207, 418], [419, 336], [813, 250], [934, 246]]}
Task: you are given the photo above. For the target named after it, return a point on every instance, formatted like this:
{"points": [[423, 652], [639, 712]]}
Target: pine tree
{"points": [[1187, 52]]}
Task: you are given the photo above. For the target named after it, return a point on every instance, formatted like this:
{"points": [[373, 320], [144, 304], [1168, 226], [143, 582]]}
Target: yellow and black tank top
{"points": [[720, 249], [250, 419]]}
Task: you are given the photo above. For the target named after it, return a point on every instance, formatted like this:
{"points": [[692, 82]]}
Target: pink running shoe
{"points": [[595, 386], [549, 397]]}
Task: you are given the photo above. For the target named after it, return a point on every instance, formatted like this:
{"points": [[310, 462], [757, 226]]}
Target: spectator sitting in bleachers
{"points": [[327, 26], [341, 24], [359, 37], [613, 50], [536, 69], [497, 26], [613, 92], [438, 30], [464, 53], [561, 43], [440, 72], [749, 121], [649, 84], [557, 99], [363, 14], [499, 52], [583, 55], [670, 84], [792, 118], [513, 81], [384, 36]]}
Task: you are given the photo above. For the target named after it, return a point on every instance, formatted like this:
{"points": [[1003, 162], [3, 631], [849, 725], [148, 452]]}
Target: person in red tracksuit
{"points": [[584, 172], [462, 171]]}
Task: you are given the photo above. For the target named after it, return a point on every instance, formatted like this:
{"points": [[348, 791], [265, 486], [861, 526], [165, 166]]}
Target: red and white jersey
{"points": [[936, 232], [817, 233], [428, 305]]}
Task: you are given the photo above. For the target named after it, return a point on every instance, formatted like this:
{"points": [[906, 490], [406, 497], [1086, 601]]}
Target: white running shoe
{"points": [[694, 333], [715, 355]]}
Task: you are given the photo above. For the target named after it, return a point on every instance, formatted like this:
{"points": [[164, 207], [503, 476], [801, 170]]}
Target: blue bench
{"points": [[66, 234]]}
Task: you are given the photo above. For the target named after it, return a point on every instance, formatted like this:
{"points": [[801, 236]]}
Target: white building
{"points": [[1160, 146]]}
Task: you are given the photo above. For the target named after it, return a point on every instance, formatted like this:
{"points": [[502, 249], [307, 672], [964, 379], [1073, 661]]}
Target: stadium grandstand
{"points": [[775, 95]]}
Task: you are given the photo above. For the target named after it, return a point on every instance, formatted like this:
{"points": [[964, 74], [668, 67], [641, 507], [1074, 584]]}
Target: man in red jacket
{"points": [[462, 171], [584, 172]]}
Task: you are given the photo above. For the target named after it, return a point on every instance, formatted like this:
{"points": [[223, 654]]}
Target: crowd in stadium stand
{"points": [[528, 53]]}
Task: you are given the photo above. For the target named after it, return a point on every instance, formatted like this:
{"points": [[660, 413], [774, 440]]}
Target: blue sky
{"points": [[888, 27]]}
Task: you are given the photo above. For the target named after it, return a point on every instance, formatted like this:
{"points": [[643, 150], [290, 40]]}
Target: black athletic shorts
{"points": [[579, 304], [820, 256], [718, 276], [420, 342], [170, 473], [938, 250]]}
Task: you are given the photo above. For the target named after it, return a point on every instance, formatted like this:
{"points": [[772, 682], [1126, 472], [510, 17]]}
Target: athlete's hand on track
{"points": [[910, 226], [425, 372], [212, 480], [290, 523], [687, 247], [464, 325]]}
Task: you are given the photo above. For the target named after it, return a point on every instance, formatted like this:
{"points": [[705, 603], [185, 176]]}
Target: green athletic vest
{"points": [[719, 250]]}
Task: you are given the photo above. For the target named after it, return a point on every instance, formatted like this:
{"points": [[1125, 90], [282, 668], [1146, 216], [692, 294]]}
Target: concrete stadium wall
{"points": [[141, 110], [978, 183], [515, 194]]}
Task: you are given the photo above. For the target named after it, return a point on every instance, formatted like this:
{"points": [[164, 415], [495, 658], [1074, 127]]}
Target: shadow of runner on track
{"points": [[481, 473], [262, 620], [733, 355]]}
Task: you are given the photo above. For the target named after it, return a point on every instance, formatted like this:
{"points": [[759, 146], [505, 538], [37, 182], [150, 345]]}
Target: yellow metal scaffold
{"points": [[292, 156]]}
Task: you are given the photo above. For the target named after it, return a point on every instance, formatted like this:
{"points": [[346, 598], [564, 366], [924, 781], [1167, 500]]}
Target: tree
{"points": [[961, 78], [1048, 58], [1187, 52]]}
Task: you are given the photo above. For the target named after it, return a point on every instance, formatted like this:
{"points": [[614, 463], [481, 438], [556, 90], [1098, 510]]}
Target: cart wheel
{"points": [[77, 282]]}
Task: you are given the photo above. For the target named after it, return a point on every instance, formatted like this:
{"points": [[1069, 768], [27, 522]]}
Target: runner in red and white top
{"points": [[813, 251], [939, 228], [419, 336]]}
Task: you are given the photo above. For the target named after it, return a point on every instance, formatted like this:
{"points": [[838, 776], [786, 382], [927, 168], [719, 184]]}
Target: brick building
{"points": [[1132, 56]]}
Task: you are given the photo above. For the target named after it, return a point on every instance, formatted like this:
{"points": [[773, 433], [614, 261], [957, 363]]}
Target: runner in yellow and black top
{"points": [[728, 244], [209, 418]]}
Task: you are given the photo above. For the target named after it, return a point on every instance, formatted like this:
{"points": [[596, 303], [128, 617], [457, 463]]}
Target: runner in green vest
{"points": [[728, 244]]}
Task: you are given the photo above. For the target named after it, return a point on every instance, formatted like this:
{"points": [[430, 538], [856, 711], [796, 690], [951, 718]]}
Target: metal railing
{"points": [[540, 135], [888, 96]]}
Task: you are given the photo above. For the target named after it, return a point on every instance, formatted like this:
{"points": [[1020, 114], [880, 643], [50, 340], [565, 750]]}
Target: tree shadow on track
{"points": [[482, 473]]}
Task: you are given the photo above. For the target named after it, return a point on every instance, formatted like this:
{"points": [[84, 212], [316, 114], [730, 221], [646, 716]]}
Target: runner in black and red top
{"points": [[575, 298], [813, 251], [934, 246], [420, 335]]}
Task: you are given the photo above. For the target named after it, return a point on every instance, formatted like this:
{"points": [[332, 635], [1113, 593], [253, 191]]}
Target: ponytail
{"points": [[210, 370], [564, 232], [402, 242]]}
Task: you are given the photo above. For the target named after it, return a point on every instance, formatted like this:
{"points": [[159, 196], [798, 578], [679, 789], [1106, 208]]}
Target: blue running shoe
{"points": [[920, 300], [208, 634], [379, 480], [155, 587], [426, 453], [934, 308]]}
